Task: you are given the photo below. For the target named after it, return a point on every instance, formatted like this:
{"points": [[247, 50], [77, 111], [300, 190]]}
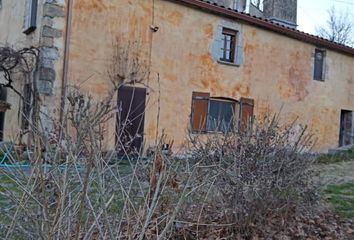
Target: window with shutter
{"points": [[199, 111], [319, 60], [246, 113], [31, 16], [217, 114]]}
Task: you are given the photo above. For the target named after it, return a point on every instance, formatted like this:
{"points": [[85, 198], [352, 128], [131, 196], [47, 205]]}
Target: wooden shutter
{"points": [[247, 112], [31, 16], [199, 111]]}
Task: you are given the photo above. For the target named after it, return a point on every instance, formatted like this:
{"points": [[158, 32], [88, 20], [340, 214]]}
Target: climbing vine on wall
{"points": [[14, 62]]}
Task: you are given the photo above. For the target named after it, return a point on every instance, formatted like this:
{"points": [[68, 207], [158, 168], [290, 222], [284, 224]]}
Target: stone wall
{"points": [[52, 10], [281, 11]]}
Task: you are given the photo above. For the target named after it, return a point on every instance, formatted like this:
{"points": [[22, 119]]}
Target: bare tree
{"points": [[338, 28]]}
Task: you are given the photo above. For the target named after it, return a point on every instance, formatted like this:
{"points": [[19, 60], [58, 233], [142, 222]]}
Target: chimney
{"points": [[281, 11], [238, 5]]}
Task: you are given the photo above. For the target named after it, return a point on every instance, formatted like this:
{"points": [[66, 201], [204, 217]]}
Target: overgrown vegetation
{"points": [[236, 185], [342, 198], [336, 158], [227, 186]]}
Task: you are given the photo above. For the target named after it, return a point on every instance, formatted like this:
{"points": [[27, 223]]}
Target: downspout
{"points": [[66, 60]]}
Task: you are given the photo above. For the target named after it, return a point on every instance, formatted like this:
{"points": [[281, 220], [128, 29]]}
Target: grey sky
{"points": [[312, 13]]}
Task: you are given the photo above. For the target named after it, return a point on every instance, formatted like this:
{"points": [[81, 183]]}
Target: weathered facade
{"points": [[180, 46], [27, 23]]}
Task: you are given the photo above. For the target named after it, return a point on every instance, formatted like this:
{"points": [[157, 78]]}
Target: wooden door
{"points": [[346, 126], [130, 119]]}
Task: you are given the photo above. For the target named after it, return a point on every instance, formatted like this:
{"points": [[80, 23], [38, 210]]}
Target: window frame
{"points": [[233, 45], [30, 16], [219, 129], [216, 49], [323, 65]]}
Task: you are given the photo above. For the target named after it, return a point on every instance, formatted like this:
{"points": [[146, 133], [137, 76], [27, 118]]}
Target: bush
{"points": [[241, 179], [227, 184]]}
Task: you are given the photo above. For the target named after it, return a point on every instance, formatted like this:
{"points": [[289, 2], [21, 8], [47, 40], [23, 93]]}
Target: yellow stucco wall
{"points": [[277, 71]]}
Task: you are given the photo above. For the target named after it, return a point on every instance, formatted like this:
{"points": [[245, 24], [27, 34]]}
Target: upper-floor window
{"points": [[258, 4], [229, 45], [319, 63], [30, 16]]}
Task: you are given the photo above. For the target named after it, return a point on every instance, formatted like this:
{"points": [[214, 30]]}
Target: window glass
{"points": [[319, 64], [229, 44], [220, 116]]}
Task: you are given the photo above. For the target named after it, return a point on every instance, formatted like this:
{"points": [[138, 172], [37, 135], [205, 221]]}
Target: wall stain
{"points": [[170, 76], [241, 89], [209, 73], [293, 85], [173, 17], [91, 5], [297, 83], [209, 31]]}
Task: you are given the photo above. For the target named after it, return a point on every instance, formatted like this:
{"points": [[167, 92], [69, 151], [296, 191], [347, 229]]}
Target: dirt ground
{"points": [[336, 173]]}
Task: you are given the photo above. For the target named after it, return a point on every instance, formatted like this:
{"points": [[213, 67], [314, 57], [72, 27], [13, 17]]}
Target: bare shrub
{"points": [[73, 189], [243, 178], [229, 184]]}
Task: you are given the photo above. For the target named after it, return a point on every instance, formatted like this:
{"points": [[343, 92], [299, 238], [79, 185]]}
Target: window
{"points": [[220, 115], [229, 45], [258, 4], [31, 16], [319, 60], [217, 114]]}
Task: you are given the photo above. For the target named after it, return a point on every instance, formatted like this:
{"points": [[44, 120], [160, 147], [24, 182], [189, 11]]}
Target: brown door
{"points": [[130, 119], [345, 134]]}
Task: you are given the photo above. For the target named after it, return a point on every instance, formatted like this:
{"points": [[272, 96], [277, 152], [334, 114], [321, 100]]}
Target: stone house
{"points": [[207, 62]]}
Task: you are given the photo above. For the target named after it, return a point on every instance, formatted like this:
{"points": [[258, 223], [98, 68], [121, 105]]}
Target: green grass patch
{"points": [[341, 198], [336, 158]]}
